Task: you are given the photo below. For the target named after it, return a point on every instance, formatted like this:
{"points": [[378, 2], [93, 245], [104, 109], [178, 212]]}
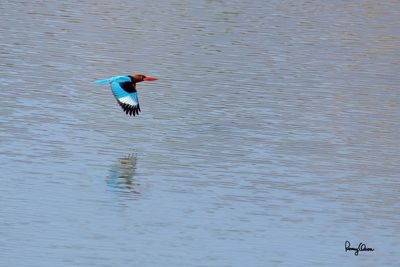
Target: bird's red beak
{"points": [[148, 79]]}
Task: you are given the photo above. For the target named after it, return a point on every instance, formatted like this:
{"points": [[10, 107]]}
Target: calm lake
{"points": [[271, 138]]}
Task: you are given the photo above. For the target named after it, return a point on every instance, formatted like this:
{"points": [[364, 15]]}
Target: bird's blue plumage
{"points": [[121, 94], [118, 79], [127, 98], [118, 91], [134, 97], [128, 101]]}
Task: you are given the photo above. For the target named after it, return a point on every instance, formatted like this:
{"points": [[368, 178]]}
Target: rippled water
{"points": [[271, 137]]}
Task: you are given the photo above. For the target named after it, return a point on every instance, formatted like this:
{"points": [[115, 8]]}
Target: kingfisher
{"points": [[124, 90]]}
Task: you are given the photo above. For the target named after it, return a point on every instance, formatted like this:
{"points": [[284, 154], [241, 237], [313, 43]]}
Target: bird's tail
{"points": [[114, 79], [99, 82]]}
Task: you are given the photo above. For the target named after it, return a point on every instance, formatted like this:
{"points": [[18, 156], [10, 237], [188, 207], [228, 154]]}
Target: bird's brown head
{"points": [[137, 78]]}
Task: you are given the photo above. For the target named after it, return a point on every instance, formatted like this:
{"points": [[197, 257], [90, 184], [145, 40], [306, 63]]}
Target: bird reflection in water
{"points": [[121, 177]]}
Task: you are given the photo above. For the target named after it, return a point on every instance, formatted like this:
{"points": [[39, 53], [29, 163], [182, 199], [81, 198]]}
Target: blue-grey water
{"points": [[271, 137]]}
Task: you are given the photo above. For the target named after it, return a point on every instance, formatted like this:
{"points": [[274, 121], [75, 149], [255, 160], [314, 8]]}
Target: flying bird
{"points": [[124, 90]]}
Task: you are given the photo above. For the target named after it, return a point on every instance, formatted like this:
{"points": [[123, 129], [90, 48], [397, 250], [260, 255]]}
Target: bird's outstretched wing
{"points": [[129, 102]]}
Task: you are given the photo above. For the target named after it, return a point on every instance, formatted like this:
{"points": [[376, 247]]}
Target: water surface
{"points": [[271, 137]]}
